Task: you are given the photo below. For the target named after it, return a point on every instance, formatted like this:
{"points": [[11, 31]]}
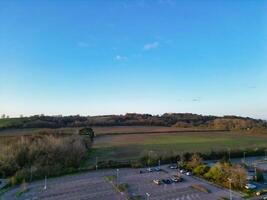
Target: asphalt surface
{"points": [[93, 185]]}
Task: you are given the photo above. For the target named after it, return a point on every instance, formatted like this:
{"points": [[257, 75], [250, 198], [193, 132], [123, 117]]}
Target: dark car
{"points": [[167, 181], [157, 169]]}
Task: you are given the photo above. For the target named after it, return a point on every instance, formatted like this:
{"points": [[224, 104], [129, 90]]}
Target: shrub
{"points": [[122, 187], [200, 170], [220, 172], [195, 161], [42, 155]]}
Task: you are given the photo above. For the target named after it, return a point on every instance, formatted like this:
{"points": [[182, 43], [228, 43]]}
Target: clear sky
{"points": [[102, 57]]}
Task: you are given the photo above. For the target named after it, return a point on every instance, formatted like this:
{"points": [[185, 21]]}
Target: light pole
{"points": [[96, 163], [149, 158], [45, 184], [230, 187], [229, 154], [244, 154], [31, 174], [147, 196], [117, 177], [159, 163], [255, 171], [265, 154]]}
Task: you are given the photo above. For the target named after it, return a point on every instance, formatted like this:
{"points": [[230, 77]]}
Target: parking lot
{"points": [[93, 185]]}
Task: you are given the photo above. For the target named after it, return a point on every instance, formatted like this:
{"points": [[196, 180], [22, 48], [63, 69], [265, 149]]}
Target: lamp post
{"points": [[229, 154], [31, 174], [159, 163], [265, 154], [45, 187], [230, 187], [117, 177], [244, 154], [255, 171], [96, 161], [147, 196]]}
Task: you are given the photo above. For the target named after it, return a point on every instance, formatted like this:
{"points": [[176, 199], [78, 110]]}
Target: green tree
{"points": [[87, 131], [195, 161], [201, 170]]}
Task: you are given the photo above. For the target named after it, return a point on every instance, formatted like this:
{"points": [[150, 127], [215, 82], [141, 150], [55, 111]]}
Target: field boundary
{"points": [[154, 132]]}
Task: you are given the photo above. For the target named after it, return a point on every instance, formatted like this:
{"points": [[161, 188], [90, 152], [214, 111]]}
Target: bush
{"points": [[42, 155], [201, 170], [220, 172], [122, 187], [195, 161]]}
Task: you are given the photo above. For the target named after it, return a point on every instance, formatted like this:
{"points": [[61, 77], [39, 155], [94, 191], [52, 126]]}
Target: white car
{"points": [[250, 186], [156, 181], [188, 173]]}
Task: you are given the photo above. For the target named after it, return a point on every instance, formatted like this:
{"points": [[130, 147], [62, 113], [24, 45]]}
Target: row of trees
{"points": [[183, 120], [220, 173]]}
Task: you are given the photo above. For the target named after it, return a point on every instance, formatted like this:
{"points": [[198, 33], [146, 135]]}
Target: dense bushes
{"points": [[219, 173], [36, 156]]}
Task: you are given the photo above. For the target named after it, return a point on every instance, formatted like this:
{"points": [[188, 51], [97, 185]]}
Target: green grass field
{"points": [[129, 142], [131, 146]]}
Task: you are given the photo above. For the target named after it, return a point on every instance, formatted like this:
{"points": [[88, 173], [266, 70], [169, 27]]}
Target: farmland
{"points": [[131, 142], [133, 145]]}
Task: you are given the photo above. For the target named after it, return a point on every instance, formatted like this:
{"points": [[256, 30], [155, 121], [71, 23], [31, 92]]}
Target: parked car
{"points": [[173, 166], [167, 181], [150, 169], [157, 169], [261, 192], [182, 171], [188, 173], [156, 181], [250, 186], [176, 178]]}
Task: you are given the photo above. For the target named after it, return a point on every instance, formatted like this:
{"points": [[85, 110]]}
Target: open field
{"points": [[133, 145], [129, 142]]}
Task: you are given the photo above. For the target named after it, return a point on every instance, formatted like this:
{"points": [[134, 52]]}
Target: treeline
{"points": [[183, 120]]}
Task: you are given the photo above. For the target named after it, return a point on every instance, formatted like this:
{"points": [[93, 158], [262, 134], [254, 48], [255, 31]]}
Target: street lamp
{"points": [[244, 154], [117, 177], [45, 184], [147, 196], [230, 187], [265, 154], [229, 154], [255, 171], [96, 163], [159, 163]]}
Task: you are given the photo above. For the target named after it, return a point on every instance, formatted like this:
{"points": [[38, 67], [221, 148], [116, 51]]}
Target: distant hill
{"points": [[183, 120]]}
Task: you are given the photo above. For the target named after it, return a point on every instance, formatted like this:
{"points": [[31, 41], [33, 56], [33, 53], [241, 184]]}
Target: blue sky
{"points": [[103, 57]]}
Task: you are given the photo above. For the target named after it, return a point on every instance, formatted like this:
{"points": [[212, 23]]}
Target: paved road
{"points": [[92, 185]]}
